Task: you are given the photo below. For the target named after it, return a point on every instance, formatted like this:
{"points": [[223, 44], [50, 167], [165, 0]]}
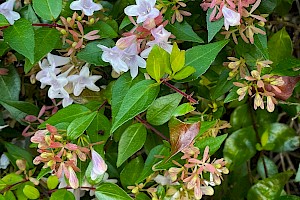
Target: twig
{"points": [[102, 105], [148, 126], [68, 187], [188, 97], [54, 25]]}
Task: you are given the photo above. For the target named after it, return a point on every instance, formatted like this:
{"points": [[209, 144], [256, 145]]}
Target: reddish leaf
{"points": [[182, 134], [286, 89]]}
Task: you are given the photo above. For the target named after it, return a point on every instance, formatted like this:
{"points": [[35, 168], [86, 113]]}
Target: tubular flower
{"points": [[88, 7], [99, 165], [143, 10]]}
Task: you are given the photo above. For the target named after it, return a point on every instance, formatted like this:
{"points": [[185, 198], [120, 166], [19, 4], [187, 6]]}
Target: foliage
{"points": [[149, 99]]}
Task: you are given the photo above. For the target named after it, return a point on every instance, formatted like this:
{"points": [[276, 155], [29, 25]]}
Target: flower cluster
{"points": [[188, 181], [236, 14], [130, 50], [63, 84], [61, 156], [256, 84]]}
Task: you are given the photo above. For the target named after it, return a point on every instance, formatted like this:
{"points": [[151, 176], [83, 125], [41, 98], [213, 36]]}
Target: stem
{"points": [[148, 126], [54, 25], [68, 187], [102, 105], [188, 97]]}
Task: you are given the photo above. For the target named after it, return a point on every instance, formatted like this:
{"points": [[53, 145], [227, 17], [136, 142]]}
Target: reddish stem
{"points": [[187, 96], [148, 126], [54, 25]]}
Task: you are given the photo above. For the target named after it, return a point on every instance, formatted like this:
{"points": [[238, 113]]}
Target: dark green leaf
{"points": [[10, 85], [105, 30], [223, 85], [19, 153], [162, 108], [287, 67], [110, 191], [214, 143], [47, 9], [28, 13], [132, 172], [213, 27], [236, 121], [62, 194], [4, 48], [266, 164], [20, 37], [131, 141], [261, 44]]}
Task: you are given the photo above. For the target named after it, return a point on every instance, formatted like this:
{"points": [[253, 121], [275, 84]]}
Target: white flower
{"points": [[6, 9], [88, 7], [161, 36], [48, 67], [144, 9], [99, 165], [4, 161], [231, 18], [84, 80], [122, 60], [164, 180]]}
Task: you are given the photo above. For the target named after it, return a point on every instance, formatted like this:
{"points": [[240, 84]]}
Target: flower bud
{"points": [[92, 21], [21, 164], [63, 31], [125, 42]]}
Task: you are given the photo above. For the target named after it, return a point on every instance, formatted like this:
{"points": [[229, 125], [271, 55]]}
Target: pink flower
{"points": [[144, 9], [99, 165], [73, 180], [231, 18]]}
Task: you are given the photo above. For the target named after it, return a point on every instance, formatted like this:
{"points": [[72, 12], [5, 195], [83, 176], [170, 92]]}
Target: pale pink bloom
{"points": [[88, 7], [99, 165], [6, 9], [125, 42], [258, 101], [144, 9], [231, 17], [73, 180]]}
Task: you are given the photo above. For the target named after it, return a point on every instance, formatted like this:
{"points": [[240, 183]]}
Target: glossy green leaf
{"points": [[19, 153], [269, 188], [28, 13], [266, 166], [158, 60], [184, 31], [31, 192], [183, 109], [261, 44], [137, 100], [49, 38], [67, 114], [223, 85], [131, 141], [9, 195], [142, 196], [236, 121], [214, 143], [3, 21], [47, 9], [62, 194], [288, 197], [205, 126], [213, 27], [110, 191], [22, 106], [240, 147], [20, 37], [280, 40], [43, 172], [92, 53], [282, 137], [287, 67], [267, 6], [232, 95], [201, 57], [11, 179], [297, 178], [132, 172], [10, 85], [79, 125], [162, 108], [177, 58], [4, 48], [151, 160]]}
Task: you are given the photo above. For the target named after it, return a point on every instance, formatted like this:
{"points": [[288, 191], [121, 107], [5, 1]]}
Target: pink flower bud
{"points": [[125, 42], [99, 165], [73, 180]]}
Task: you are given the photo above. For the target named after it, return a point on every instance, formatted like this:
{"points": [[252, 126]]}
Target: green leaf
{"points": [[240, 147], [43, 172], [92, 53], [269, 188], [10, 85], [3, 21], [9, 195], [287, 67], [151, 160], [236, 121], [110, 191], [137, 100], [183, 31], [52, 182], [214, 143], [105, 30], [22, 106], [267, 6], [11, 179], [28, 13], [47, 9], [67, 114], [142, 196], [132, 172], [79, 125], [223, 85], [288, 197], [183, 109], [19, 153], [201, 57], [62, 194], [213, 27], [261, 44], [206, 125], [31, 192], [131, 141], [297, 178], [177, 59], [20, 37], [280, 40], [232, 95], [4, 48], [158, 60], [265, 163], [49, 38], [184, 73], [2, 185], [162, 108], [282, 137]]}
